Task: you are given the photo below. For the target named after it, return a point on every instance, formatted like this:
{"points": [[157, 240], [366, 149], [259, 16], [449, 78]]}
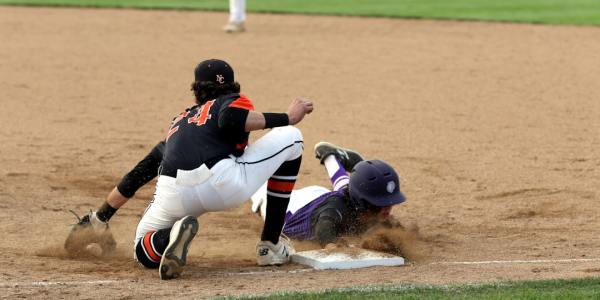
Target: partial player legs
{"points": [[348, 158], [275, 157], [271, 250], [237, 16], [279, 188], [237, 11], [150, 248], [175, 255], [281, 168], [165, 209], [338, 176], [337, 161], [167, 248], [164, 232]]}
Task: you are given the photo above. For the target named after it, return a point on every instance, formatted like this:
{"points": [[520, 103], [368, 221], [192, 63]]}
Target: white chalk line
{"points": [[519, 261], [100, 282], [52, 283], [486, 262], [268, 272]]}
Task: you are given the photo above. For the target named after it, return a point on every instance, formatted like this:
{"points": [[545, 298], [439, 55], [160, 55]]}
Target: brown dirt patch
{"points": [[493, 128]]}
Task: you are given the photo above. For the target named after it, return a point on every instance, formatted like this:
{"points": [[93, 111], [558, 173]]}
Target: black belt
{"points": [[172, 172]]}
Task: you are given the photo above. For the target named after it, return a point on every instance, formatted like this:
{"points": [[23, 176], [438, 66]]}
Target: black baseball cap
{"points": [[214, 70]]}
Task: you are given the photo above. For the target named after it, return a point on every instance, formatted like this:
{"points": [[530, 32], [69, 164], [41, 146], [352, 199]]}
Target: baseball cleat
{"points": [[348, 158], [268, 254], [234, 27], [174, 257]]}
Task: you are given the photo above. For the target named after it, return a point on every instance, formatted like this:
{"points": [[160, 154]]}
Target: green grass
{"points": [[586, 288], [532, 11]]}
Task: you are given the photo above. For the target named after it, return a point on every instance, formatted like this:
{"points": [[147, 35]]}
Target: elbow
{"points": [[325, 232]]}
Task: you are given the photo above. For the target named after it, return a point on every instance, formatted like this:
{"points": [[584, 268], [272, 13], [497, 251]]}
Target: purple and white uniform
{"points": [[299, 223], [307, 204]]}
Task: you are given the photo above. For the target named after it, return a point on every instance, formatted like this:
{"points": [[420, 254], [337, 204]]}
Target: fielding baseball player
{"points": [[206, 166], [356, 203]]}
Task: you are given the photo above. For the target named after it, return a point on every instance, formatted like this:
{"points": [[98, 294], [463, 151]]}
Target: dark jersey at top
{"points": [[207, 133]]}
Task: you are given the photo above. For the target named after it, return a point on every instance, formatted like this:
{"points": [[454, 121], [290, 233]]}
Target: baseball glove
{"points": [[90, 230]]}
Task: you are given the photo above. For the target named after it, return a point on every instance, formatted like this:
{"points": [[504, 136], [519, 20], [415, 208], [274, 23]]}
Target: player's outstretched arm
{"points": [[115, 199], [299, 108], [97, 220], [140, 175], [325, 231]]}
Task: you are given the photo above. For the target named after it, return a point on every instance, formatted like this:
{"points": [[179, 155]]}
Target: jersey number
{"points": [[202, 116]]}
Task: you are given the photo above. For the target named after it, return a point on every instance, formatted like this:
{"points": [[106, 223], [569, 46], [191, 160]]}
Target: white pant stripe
{"points": [[278, 194], [146, 252], [284, 177], [152, 244]]}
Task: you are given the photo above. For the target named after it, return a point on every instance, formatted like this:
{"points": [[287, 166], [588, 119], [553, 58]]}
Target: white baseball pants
{"points": [[237, 11], [228, 184]]}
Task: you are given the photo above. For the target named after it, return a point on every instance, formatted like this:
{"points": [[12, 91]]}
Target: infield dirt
{"points": [[494, 129]]}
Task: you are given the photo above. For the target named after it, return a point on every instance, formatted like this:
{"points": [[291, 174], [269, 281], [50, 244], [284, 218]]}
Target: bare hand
{"points": [[298, 109]]}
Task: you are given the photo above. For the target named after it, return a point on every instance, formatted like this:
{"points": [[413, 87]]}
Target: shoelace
{"points": [[79, 219], [76, 216]]}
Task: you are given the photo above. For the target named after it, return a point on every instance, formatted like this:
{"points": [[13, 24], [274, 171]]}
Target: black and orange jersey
{"points": [[206, 133]]}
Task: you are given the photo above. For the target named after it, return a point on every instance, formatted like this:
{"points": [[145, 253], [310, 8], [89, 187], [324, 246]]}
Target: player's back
{"points": [[198, 136]]}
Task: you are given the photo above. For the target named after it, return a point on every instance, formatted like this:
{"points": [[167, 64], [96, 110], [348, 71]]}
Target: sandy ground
{"points": [[494, 129]]}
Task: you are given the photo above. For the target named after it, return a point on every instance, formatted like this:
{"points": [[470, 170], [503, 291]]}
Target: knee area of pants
{"points": [[294, 132]]}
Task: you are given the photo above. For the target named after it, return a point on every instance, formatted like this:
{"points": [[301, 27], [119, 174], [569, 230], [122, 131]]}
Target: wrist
{"points": [[105, 212], [276, 120]]}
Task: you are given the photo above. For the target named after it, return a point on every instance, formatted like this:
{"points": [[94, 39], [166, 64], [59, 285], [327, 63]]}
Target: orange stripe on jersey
{"points": [[241, 146], [281, 186], [171, 131], [148, 246], [243, 103]]}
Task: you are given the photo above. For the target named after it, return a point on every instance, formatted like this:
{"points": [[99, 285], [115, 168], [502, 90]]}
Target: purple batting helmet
{"points": [[375, 182]]}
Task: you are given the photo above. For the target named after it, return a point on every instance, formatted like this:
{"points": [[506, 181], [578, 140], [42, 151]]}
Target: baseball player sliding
{"points": [[206, 165], [356, 203]]}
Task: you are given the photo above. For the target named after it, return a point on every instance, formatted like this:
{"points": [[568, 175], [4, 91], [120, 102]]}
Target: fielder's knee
{"points": [[293, 132], [145, 252], [295, 139]]}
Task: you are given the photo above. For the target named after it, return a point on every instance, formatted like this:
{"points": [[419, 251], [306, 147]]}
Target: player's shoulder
{"points": [[333, 208], [333, 201], [184, 114], [339, 197], [236, 100]]}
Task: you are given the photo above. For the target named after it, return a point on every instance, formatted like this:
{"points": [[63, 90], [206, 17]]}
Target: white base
{"points": [[359, 258]]}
